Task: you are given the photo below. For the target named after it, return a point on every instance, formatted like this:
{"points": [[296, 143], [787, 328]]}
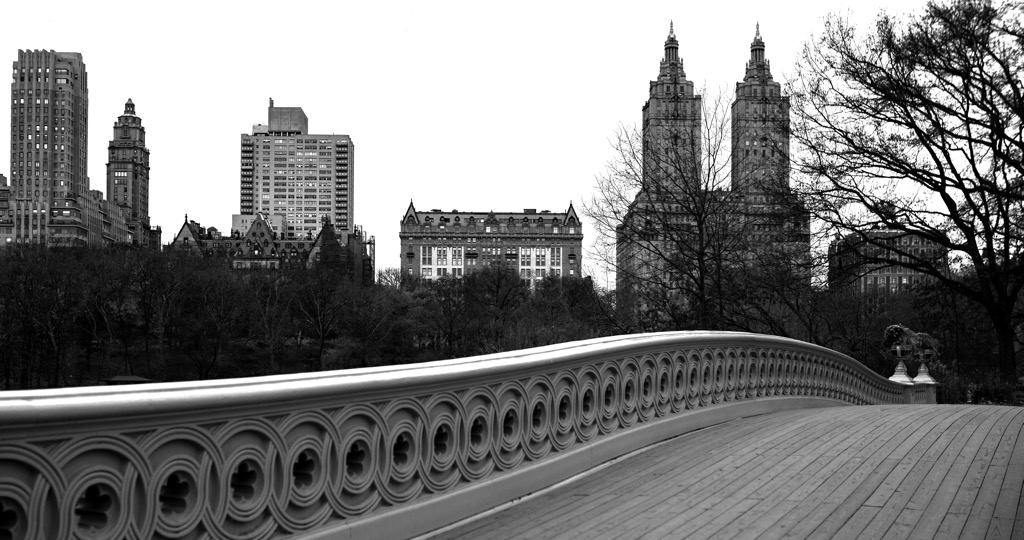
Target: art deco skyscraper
{"points": [[49, 147], [128, 174], [671, 123], [760, 127], [305, 178]]}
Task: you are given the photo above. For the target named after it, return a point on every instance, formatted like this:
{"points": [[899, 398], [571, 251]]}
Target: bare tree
{"points": [[915, 127]]}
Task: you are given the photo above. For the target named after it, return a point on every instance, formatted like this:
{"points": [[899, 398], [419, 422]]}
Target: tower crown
{"points": [[129, 108], [758, 68], [671, 45], [757, 47]]}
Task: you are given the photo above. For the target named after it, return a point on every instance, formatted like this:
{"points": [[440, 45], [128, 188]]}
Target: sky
{"points": [[474, 106]]}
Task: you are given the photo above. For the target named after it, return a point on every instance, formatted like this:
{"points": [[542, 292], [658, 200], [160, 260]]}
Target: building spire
{"points": [[757, 48], [671, 45]]}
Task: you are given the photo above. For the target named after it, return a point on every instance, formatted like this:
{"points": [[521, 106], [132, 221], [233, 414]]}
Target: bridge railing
{"points": [[384, 452]]}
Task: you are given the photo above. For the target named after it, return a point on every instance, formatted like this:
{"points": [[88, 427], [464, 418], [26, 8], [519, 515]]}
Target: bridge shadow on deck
{"points": [[900, 471]]}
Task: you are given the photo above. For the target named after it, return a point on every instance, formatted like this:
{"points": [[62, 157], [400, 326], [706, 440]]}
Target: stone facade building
{"points": [[437, 244], [49, 200], [259, 247], [287, 171], [6, 213], [855, 262], [49, 148], [128, 177]]}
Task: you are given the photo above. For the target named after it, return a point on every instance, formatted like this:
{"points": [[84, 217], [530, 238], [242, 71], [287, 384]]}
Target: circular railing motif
{"points": [[247, 476]]}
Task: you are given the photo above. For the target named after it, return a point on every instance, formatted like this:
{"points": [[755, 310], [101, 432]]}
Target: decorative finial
{"points": [[671, 30], [186, 217], [757, 31]]}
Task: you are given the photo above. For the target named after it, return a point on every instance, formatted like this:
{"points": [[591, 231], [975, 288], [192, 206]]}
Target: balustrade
{"points": [[385, 451]]}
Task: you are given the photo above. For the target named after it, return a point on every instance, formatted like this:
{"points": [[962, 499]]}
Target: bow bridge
{"points": [[409, 450]]}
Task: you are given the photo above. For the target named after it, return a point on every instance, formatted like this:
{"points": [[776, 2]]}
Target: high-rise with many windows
{"points": [[760, 127], [49, 143], [305, 178], [128, 174]]}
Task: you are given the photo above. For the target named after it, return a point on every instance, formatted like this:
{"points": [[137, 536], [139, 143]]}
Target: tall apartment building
{"points": [[287, 171], [535, 244], [49, 147], [671, 125], [6, 213], [760, 127], [49, 200], [682, 215], [128, 175]]}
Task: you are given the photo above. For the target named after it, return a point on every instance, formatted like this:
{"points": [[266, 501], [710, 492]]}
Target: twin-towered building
{"points": [[688, 209], [49, 200]]}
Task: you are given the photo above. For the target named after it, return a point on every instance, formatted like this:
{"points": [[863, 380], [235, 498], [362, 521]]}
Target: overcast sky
{"points": [[456, 105]]}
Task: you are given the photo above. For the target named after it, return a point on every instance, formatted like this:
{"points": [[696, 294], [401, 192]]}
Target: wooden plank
{"points": [[987, 497], [556, 504], [696, 490], [748, 532], [834, 458], [907, 478], [876, 471], [1008, 505], [784, 516], [730, 500], [661, 461], [910, 425], [949, 488], [860, 519], [855, 465]]}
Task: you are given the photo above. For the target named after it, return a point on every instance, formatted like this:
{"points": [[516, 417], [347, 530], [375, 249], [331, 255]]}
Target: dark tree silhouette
{"points": [[915, 127]]}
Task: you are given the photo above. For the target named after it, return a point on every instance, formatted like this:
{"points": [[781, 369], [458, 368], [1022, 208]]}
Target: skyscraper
{"points": [[128, 174], [760, 127], [306, 178], [683, 229], [49, 147], [671, 123]]}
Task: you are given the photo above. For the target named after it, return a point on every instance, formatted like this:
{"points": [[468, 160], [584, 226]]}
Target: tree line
{"points": [[81, 316]]}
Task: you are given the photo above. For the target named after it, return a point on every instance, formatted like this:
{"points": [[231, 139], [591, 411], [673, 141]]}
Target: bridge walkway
{"points": [[903, 471]]}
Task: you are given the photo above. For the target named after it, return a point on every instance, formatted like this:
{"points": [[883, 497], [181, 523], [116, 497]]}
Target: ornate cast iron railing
{"points": [[384, 452]]}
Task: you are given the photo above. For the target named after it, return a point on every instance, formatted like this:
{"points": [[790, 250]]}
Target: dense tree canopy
{"points": [[81, 316]]}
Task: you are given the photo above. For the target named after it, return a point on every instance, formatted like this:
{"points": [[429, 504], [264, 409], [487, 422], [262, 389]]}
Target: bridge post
{"points": [[926, 384], [900, 377]]}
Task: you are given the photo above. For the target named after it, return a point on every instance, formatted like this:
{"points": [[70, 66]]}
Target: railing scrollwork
{"points": [[309, 454]]}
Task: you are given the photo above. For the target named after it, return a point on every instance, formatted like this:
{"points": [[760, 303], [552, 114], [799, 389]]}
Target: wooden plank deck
{"points": [[904, 471]]}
